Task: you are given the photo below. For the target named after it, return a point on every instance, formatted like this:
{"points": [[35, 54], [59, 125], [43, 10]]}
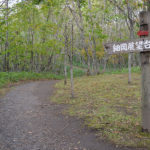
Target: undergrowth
{"points": [[123, 70], [10, 77]]}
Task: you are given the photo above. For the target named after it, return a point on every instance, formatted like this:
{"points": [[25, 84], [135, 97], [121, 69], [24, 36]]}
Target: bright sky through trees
{"points": [[11, 2]]}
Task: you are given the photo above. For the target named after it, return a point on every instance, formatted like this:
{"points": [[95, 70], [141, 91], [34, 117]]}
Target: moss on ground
{"points": [[108, 104]]}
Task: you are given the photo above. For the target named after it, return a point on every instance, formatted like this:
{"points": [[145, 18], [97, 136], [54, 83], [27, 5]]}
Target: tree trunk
{"points": [[32, 53], [129, 67], [131, 28], [71, 63], [65, 56], [6, 60], [92, 39], [105, 63], [83, 37]]}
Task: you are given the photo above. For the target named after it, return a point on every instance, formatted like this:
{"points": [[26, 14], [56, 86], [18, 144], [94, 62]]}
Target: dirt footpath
{"points": [[30, 121]]}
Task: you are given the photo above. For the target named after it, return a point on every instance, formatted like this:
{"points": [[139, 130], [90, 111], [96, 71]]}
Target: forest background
{"points": [[50, 35], [57, 39]]}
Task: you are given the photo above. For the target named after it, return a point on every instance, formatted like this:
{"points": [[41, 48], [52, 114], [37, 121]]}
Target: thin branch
{"points": [[114, 2], [74, 17], [2, 3]]}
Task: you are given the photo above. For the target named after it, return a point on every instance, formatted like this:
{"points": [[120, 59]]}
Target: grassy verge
{"points": [[77, 72], [109, 105], [11, 77], [123, 70]]}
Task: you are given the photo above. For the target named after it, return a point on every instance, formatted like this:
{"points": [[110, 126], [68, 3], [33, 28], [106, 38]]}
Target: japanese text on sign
{"points": [[132, 46]]}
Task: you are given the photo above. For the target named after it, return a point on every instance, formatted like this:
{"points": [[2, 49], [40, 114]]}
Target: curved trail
{"points": [[30, 121]]}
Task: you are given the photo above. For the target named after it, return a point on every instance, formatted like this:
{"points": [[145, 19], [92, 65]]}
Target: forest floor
{"points": [[29, 120]]}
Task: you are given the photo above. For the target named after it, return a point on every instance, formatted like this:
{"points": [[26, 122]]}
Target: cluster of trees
{"points": [[49, 35]]}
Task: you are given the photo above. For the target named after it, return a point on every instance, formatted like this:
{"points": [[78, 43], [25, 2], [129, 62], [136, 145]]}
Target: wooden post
{"points": [[141, 45], [145, 68]]}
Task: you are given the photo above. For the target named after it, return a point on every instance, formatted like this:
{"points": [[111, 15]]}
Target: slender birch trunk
{"points": [[65, 56], [71, 62], [93, 40], [130, 16], [83, 37], [6, 59]]}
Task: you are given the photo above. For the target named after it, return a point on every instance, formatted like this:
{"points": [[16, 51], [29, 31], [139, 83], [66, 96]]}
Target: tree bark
{"points": [[131, 23], [71, 63], [92, 39], [6, 60], [81, 27], [65, 56]]}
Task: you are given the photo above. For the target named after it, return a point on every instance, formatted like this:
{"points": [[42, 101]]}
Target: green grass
{"points": [[80, 65], [11, 77], [123, 70], [108, 104], [77, 72]]}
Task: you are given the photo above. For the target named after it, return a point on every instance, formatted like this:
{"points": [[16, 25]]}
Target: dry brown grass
{"points": [[108, 104]]}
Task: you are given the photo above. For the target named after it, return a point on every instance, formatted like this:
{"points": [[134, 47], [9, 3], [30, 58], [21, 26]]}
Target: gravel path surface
{"points": [[30, 121]]}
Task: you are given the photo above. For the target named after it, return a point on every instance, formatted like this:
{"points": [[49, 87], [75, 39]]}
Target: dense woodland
{"points": [[51, 35], [60, 39]]}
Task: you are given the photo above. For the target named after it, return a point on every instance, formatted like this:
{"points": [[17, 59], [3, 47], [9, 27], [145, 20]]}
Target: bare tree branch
{"points": [[114, 2]]}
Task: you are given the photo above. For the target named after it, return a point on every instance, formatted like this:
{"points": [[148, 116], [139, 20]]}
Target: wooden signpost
{"points": [[142, 46], [138, 45]]}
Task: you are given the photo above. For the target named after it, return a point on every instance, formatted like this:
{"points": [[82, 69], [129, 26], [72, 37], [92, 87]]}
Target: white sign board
{"points": [[138, 45]]}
